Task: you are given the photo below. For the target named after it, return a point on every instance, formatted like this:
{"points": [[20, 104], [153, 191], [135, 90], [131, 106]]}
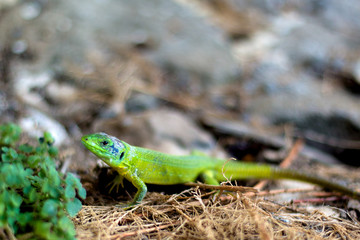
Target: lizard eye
{"points": [[104, 143], [121, 155]]}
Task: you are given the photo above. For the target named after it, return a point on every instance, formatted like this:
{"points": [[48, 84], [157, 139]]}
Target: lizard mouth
{"points": [[93, 147], [84, 139], [86, 143]]}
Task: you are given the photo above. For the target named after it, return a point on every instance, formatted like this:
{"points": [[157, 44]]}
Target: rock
{"points": [[283, 83], [66, 34], [356, 71], [36, 123], [7, 4], [301, 58], [294, 96], [139, 102], [172, 126]]}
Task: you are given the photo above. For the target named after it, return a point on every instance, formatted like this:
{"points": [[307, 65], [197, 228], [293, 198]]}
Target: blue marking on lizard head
{"points": [[108, 148]]}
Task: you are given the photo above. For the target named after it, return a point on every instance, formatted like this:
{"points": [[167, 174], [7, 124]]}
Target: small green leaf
{"points": [[22, 158], [39, 150], [46, 186], [42, 229], [9, 154], [73, 207], [49, 162], [50, 208], [82, 192], [15, 200], [27, 190], [49, 140], [33, 161], [12, 154], [9, 134], [25, 218], [25, 148], [30, 193], [70, 179], [69, 192], [10, 222], [14, 174], [54, 177], [66, 225], [53, 151], [54, 192], [77, 184], [2, 208], [33, 195], [12, 213], [4, 149], [28, 172]]}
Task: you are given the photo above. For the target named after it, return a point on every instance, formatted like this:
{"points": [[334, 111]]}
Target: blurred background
{"points": [[238, 78]]}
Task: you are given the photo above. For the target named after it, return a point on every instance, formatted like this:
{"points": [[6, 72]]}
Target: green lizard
{"points": [[141, 165]]}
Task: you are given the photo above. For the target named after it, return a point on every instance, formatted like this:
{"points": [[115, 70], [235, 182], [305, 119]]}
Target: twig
{"points": [[317, 200], [183, 214], [148, 230], [261, 225], [279, 191], [9, 232], [223, 187], [294, 152], [330, 141]]}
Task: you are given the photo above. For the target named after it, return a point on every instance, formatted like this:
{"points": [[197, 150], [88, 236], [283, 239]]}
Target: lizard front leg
{"points": [[140, 186]]}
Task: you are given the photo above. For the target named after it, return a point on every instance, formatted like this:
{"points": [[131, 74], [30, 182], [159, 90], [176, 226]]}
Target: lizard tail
{"points": [[239, 170], [282, 173]]}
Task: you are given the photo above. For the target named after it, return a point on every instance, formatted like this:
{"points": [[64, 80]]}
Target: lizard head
{"points": [[108, 148]]}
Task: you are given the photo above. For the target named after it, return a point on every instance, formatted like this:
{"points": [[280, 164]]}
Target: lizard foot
{"points": [[118, 180], [126, 206]]}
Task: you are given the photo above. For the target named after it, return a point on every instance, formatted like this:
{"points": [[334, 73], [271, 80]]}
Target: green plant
{"points": [[35, 199]]}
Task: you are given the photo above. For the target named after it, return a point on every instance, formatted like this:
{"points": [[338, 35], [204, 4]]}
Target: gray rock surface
{"points": [[289, 81], [62, 35]]}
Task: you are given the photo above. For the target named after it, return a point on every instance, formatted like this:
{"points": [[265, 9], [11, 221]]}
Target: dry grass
{"points": [[191, 215]]}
